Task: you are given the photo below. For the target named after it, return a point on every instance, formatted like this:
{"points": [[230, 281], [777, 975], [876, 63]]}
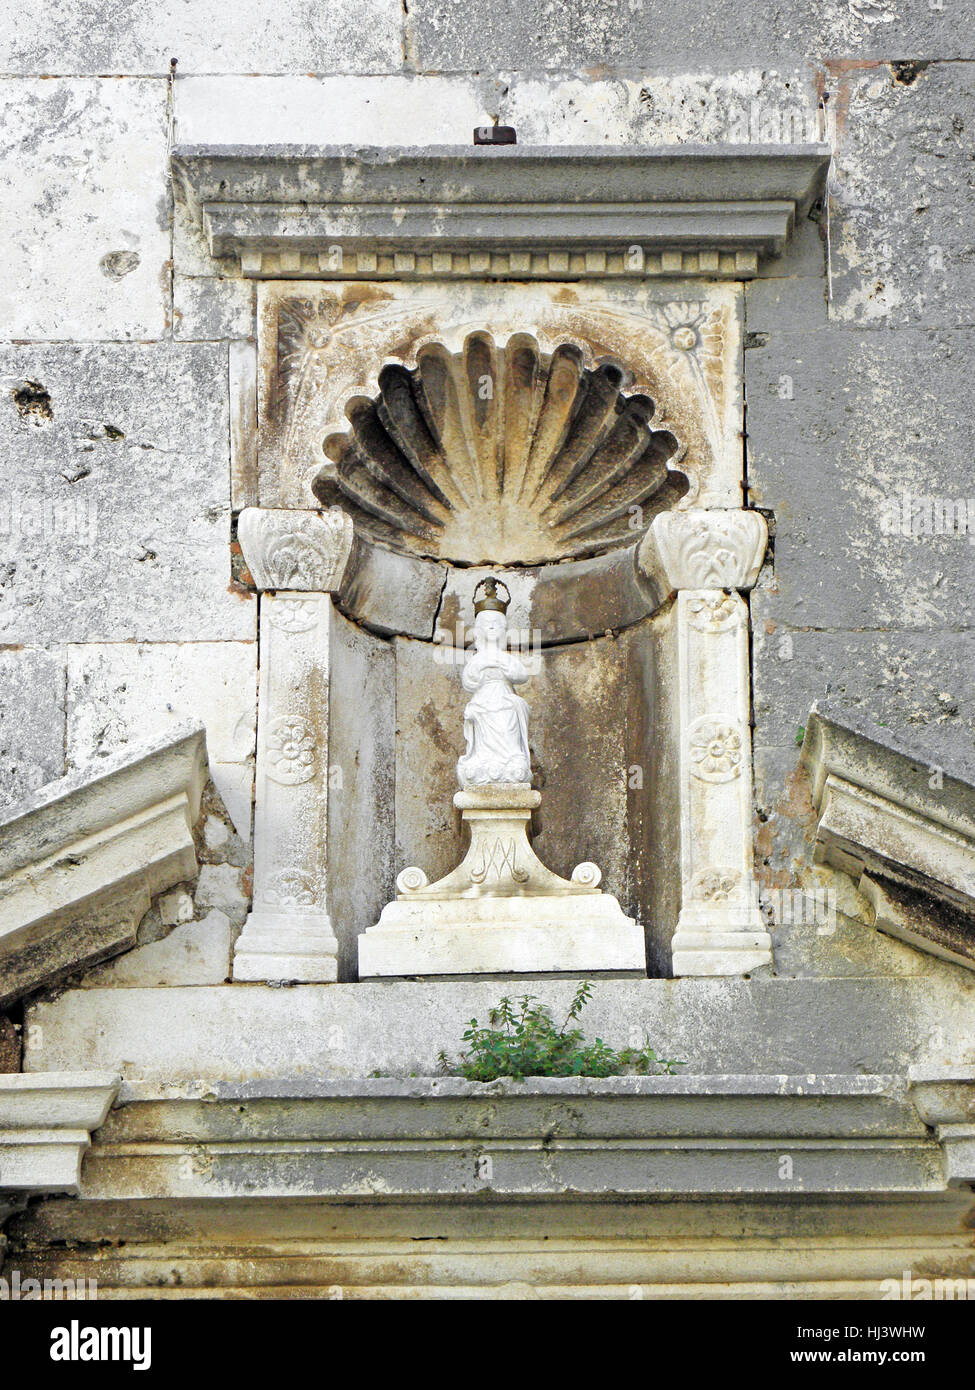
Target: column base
{"points": [[720, 939], [293, 948]]}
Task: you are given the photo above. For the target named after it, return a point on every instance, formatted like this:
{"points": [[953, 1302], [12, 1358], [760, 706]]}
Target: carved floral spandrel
{"points": [[290, 888], [293, 614], [324, 345], [713, 611]]}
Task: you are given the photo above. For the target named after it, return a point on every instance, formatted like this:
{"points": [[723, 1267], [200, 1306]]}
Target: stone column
{"points": [[706, 557], [296, 559]]}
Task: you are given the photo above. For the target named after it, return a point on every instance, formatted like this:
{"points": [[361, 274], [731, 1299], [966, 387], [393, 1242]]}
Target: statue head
{"points": [[490, 627], [490, 620]]}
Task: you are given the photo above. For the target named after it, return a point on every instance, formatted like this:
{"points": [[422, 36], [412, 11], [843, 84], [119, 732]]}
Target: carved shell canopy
{"points": [[501, 455]]}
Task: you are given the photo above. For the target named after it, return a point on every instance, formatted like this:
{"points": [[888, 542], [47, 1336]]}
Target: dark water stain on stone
{"points": [[33, 402]]}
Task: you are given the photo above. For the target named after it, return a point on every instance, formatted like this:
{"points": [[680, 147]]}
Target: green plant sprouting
{"points": [[522, 1039]]}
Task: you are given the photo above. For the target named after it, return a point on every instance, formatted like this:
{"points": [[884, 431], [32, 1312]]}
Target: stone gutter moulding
{"points": [[81, 859], [517, 211]]}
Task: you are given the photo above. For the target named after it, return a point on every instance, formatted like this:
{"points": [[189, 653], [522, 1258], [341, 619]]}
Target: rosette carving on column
{"points": [[303, 551], [705, 549]]}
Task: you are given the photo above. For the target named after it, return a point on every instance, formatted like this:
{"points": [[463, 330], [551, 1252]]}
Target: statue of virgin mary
{"points": [[495, 719]]}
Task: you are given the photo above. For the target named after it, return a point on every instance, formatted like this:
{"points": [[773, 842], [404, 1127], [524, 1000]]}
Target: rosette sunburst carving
{"points": [[502, 455]]}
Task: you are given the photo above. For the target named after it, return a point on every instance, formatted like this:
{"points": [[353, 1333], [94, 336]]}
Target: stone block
{"points": [[585, 598], [301, 109], [452, 35], [391, 593], [194, 953], [120, 692], [309, 36], [902, 204], [118, 495], [747, 105], [875, 673], [83, 215], [211, 307], [361, 734], [32, 719], [221, 886], [859, 446], [769, 1027], [175, 907]]}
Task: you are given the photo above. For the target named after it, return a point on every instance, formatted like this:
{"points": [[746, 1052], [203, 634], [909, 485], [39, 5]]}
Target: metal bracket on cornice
{"points": [[506, 212]]}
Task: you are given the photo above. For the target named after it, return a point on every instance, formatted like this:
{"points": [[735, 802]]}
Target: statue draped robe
{"points": [[495, 721]]}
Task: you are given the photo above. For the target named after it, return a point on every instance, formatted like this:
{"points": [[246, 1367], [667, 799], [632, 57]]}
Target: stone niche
{"points": [[436, 403]]}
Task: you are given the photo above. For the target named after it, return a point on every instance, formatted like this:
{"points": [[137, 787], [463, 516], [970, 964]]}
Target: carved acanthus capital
{"points": [[705, 549], [301, 550]]}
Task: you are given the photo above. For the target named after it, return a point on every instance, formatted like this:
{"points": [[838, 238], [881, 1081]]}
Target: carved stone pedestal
{"points": [[501, 911]]}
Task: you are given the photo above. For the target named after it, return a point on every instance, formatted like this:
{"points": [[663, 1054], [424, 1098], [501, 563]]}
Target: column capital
{"points": [[705, 549], [286, 548]]}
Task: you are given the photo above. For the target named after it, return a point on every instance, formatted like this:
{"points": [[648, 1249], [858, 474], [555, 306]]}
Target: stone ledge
{"points": [[338, 212], [629, 1136], [842, 744], [81, 858], [45, 1127], [352, 1030]]}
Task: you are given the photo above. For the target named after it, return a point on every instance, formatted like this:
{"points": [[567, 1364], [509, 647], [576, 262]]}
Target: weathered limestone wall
{"points": [[119, 612]]}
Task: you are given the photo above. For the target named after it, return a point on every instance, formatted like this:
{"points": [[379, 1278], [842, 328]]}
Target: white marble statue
{"points": [[495, 719]]}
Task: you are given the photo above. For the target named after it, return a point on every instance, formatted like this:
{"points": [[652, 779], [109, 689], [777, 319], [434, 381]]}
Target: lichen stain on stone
{"points": [[353, 297], [238, 590], [117, 264], [831, 89], [907, 72]]}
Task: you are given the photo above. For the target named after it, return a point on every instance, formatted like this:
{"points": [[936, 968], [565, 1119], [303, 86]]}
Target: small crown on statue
{"points": [[491, 601]]}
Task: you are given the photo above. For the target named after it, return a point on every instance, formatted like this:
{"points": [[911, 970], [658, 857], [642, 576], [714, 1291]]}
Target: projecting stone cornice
{"points": [[901, 826], [540, 1137], [82, 857], [509, 212], [45, 1127], [945, 1100]]}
